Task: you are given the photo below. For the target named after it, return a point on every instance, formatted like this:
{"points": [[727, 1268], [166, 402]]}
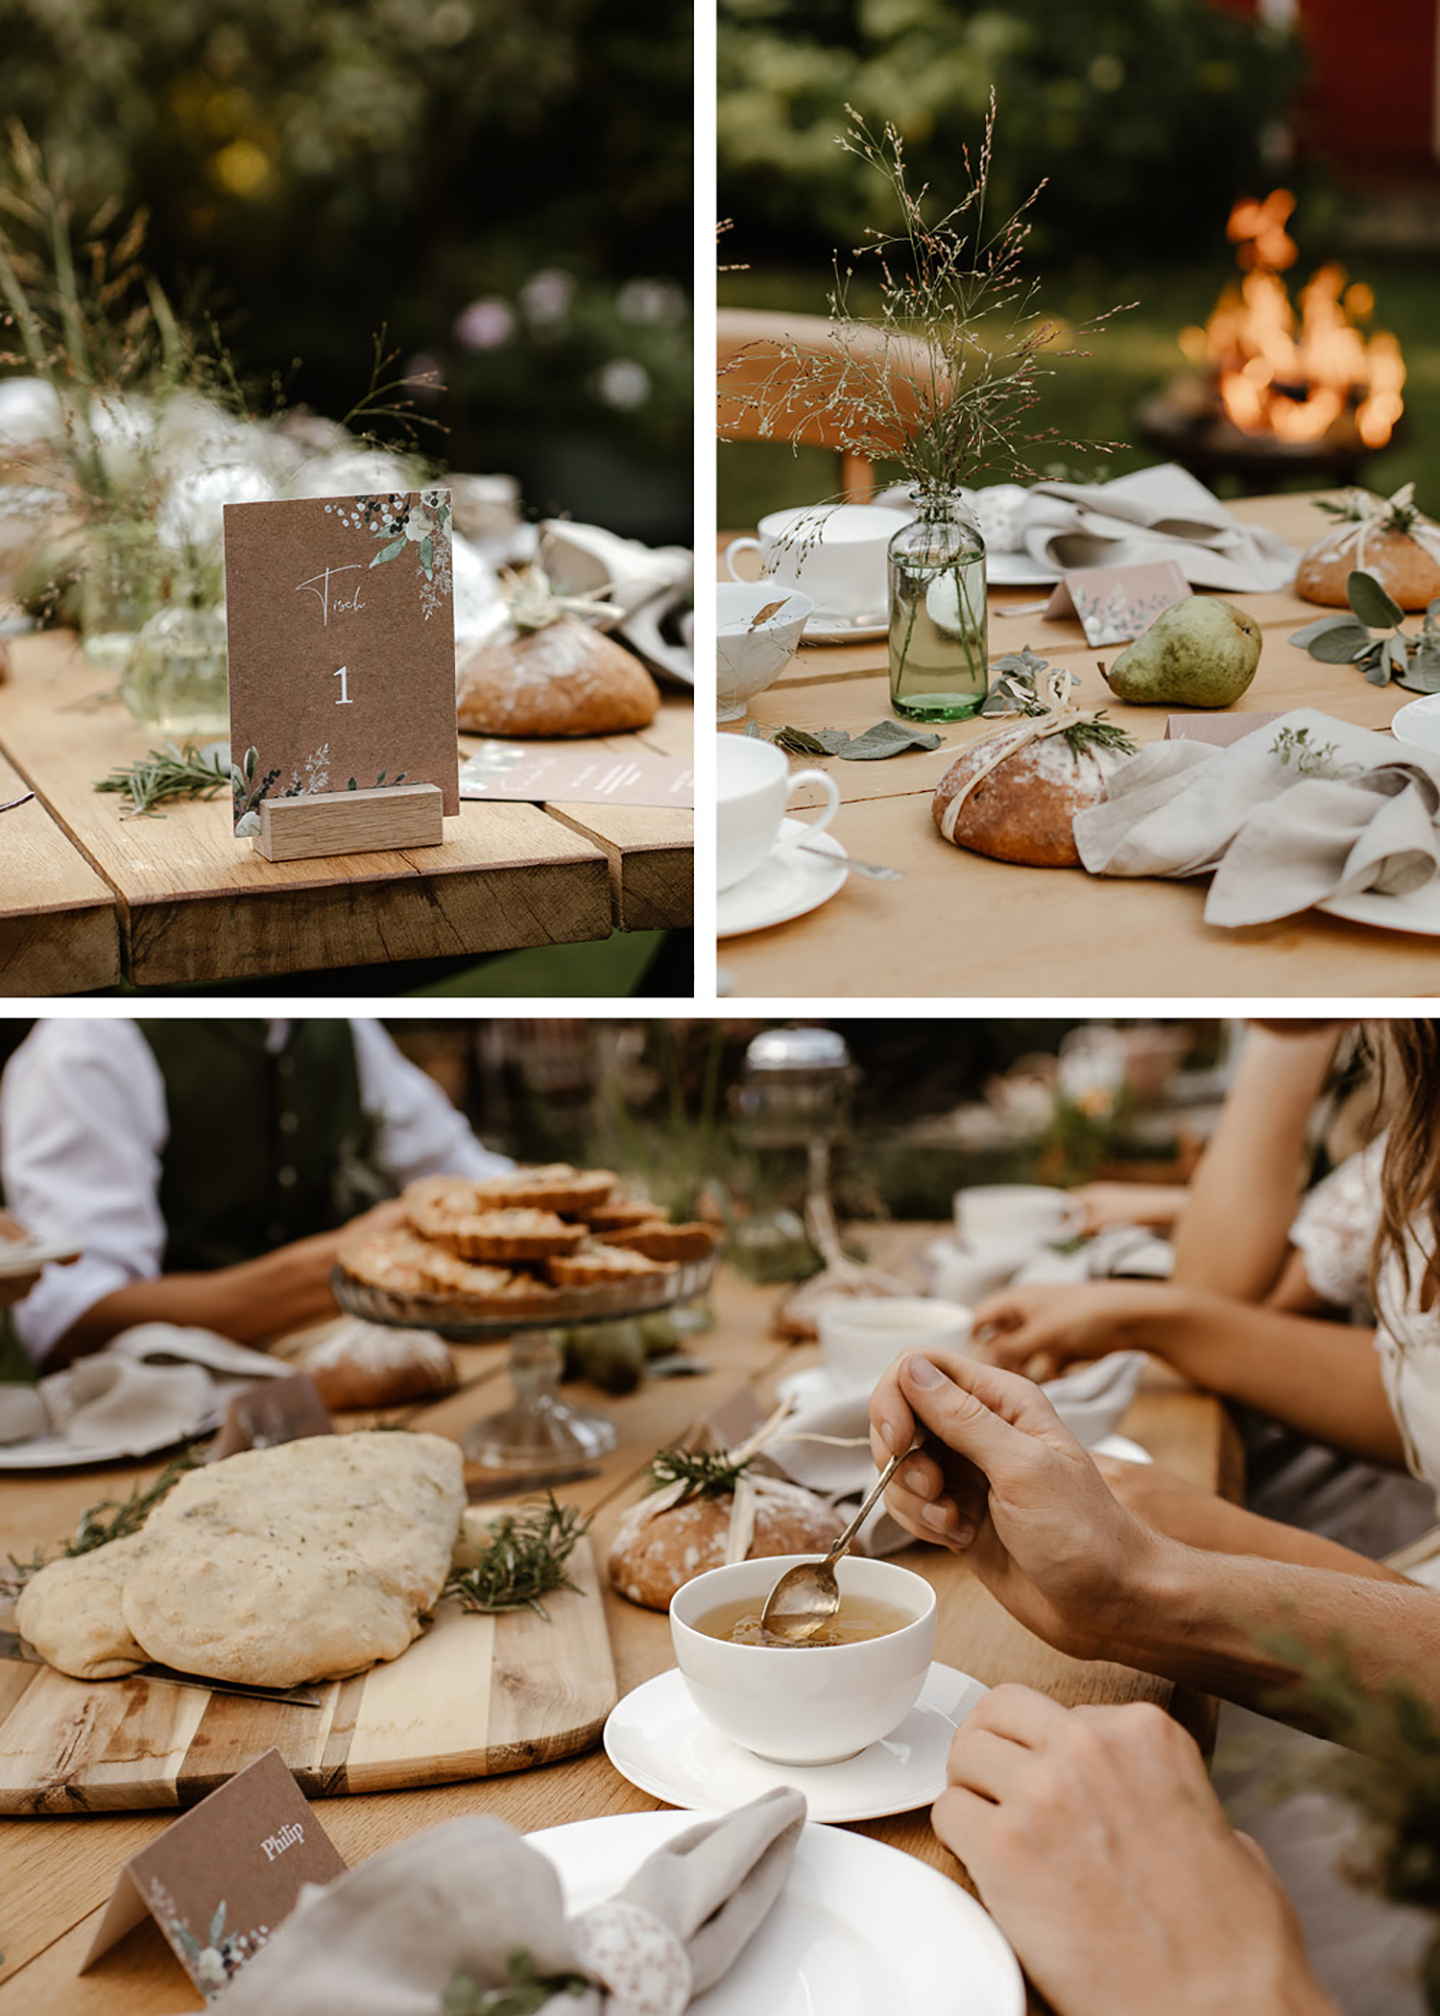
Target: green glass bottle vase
{"points": [[939, 646]]}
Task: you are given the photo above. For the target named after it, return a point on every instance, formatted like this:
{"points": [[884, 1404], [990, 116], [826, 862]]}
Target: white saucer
{"points": [[658, 1739], [827, 626], [786, 884], [816, 1385]]}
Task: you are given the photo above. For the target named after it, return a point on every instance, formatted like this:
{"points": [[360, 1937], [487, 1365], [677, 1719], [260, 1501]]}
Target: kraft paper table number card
{"points": [[341, 628], [224, 1876]]}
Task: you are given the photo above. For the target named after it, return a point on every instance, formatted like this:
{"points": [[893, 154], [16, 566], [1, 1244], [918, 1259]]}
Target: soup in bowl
{"points": [[805, 1704]]}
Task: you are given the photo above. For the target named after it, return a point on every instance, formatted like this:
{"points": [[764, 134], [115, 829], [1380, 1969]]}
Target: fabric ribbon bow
{"points": [[1053, 715]]}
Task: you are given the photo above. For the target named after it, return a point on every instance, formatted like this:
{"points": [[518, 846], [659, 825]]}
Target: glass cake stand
{"points": [[538, 1430]]}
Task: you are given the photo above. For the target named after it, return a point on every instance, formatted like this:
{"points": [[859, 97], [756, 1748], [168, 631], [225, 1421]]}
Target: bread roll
{"points": [[1402, 566], [358, 1364], [1024, 808], [565, 679], [655, 1553]]}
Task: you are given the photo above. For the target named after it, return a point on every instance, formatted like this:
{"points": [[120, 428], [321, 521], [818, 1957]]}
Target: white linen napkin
{"points": [[1354, 811], [154, 1383], [1162, 513], [387, 1938]]}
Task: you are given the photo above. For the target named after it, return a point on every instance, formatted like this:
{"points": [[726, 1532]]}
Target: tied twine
{"points": [[1373, 514], [749, 1492], [1053, 688]]}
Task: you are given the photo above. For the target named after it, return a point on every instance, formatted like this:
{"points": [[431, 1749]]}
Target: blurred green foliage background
{"points": [[1144, 120], [507, 187]]}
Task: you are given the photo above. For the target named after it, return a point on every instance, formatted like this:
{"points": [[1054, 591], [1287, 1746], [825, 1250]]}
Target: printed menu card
{"points": [[342, 647]]}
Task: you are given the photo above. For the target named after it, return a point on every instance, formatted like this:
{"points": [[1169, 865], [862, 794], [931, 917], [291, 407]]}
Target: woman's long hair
{"points": [[1410, 1174]]}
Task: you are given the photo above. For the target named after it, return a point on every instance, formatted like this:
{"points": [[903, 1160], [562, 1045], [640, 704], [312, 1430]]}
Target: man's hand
{"points": [[1000, 1478], [1097, 1842]]}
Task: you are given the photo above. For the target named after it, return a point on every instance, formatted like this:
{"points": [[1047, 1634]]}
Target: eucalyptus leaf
{"points": [[1397, 654], [1321, 627], [1375, 665], [1422, 675], [1339, 640], [1372, 603], [801, 742], [390, 552], [887, 738]]}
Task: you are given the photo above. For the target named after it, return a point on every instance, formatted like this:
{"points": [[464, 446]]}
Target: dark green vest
{"points": [[260, 1148]]}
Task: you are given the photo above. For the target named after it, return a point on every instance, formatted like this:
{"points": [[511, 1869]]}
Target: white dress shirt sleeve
{"points": [[421, 1133], [82, 1126]]}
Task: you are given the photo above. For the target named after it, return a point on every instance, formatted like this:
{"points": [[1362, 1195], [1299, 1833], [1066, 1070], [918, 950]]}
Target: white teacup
{"points": [[753, 786], [835, 553], [956, 1274], [805, 1704], [861, 1334], [1007, 1216]]}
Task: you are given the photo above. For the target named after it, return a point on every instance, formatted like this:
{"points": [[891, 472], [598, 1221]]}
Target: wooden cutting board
{"points": [[472, 1696]]}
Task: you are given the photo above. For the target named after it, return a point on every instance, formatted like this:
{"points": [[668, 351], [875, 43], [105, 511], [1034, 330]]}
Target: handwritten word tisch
{"points": [[319, 586]]}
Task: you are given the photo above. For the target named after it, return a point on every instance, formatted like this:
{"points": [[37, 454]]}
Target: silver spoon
{"points": [[806, 1597], [872, 869]]}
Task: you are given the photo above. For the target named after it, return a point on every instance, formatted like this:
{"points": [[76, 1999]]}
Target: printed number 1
{"points": [[344, 700]]}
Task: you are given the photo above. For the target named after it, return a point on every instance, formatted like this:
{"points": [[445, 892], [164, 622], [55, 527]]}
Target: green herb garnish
{"points": [[1097, 734], [704, 1473], [527, 1993], [164, 774], [127, 1516], [524, 1560]]}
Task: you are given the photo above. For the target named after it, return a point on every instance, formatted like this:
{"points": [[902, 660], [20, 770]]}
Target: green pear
{"points": [[1199, 653]]}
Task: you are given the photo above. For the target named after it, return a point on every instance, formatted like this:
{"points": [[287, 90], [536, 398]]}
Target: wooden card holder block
{"points": [[351, 822]]}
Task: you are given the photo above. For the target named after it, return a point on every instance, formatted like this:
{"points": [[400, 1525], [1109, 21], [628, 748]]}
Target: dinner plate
{"points": [[52, 1452], [827, 626], [786, 884], [658, 1739], [858, 1927]]}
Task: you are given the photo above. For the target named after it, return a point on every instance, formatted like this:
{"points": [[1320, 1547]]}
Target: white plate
{"points": [[817, 1385], [1018, 570], [1418, 722], [786, 884], [27, 1256], [50, 1452], [658, 1739], [1419, 911], [859, 1927], [826, 626]]}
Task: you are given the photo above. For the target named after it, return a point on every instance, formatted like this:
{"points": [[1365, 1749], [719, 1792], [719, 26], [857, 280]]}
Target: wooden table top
{"points": [[962, 925], [88, 898], [58, 1872]]}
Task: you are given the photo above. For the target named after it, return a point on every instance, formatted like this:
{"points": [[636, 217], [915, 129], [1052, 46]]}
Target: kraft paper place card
{"points": [[224, 1877], [1114, 604], [341, 621], [539, 771], [1221, 729]]}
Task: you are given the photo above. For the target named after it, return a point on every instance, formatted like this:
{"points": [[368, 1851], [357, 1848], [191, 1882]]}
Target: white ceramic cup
{"points": [[806, 1704], [861, 1334], [1010, 1215], [955, 1274], [749, 655], [835, 553], [753, 786]]}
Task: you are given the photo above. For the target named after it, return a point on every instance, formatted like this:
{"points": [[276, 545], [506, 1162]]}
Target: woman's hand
{"points": [[1155, 1205], [1000, 1478], [15, 1287], [1097, 1842], [1040, 1330]]}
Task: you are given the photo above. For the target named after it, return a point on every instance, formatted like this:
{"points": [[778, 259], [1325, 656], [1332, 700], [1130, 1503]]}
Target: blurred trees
{"points": [[314, 167], [1147, 116]]}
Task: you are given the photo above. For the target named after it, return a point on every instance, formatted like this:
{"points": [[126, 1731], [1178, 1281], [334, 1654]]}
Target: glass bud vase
{"points": [[939, 648], [175, 678]]}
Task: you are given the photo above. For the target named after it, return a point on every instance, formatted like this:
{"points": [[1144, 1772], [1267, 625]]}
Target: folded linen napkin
{"points": [[154, 1383], [388, 1938], [1282, 830], [1162, 513]]}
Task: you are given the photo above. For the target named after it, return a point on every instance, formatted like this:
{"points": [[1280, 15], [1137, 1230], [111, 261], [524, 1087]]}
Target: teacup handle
{"points": [[745, 545], [827, 785]]}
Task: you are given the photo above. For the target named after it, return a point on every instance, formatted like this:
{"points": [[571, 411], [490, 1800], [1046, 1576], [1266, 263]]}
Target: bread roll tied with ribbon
{"points": [[550, 671], [1389, 537], [709, 1509], [1015, 794]]}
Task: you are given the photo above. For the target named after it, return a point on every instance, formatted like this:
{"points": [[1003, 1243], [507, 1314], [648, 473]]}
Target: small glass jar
{"points": [[939, 644], [176, 676]]}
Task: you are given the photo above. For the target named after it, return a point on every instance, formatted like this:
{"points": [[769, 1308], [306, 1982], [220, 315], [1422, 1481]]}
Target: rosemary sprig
{"points": [[167, 773], [705, 1473], [127, 1516], [525, 1560], [528, 1991], [1097, 734]]}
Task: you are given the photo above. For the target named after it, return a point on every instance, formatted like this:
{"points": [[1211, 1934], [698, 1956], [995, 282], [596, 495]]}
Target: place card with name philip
{"points": [[341, 626], [225, 1876]]}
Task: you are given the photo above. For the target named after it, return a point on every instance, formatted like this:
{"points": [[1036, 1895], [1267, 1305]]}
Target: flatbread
{"points": [[309, 1561], [70, 1612]]}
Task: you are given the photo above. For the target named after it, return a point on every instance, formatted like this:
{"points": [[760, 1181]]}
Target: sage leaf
{"points": [[887, 738], [1422, 675], [1334, 640], [1372, 603], [800, 741], [1321, 628], [1397, 655]]}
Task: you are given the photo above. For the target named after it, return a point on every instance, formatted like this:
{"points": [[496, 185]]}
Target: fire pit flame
{"points": [[1289, 379]]}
